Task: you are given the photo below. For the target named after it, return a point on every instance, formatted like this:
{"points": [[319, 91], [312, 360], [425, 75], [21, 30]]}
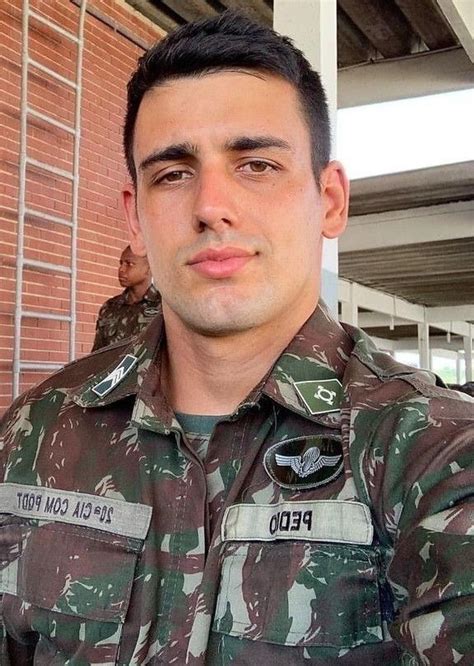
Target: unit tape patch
{"points": [[64, 506], [337, 521]]}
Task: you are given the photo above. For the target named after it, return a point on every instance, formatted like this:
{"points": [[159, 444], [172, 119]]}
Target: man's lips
{"points": [[220, 263]]}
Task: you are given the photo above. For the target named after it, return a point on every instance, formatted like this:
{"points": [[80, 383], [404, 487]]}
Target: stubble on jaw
{"points": [[221, 315]]}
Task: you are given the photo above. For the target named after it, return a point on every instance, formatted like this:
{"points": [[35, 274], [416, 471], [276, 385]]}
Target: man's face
{"points": [[133, 270], [226, 204]]}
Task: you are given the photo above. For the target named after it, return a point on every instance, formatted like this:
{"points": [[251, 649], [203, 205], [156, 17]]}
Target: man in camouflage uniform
{"points": [[124, 315], [247, 481]]}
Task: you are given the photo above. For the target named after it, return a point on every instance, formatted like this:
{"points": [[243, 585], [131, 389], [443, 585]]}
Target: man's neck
{"points": [[136, 293], [212, 375]]}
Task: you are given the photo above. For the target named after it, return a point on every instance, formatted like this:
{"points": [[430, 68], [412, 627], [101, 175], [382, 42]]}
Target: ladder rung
{"points": [[26, 365], [45, 315], [55, 268], [49, 218], [48, 167], [52, 73], [54, 26], [51, 121]]}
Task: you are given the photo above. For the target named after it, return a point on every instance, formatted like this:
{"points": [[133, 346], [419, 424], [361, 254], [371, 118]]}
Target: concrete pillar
{"points": [[350, 313], [349, 308], [458, 368], [424, 346], [468, 357], [460, 15], [312, 25]]}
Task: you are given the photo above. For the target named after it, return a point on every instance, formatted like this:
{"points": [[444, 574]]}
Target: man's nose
{"points": [[215, 204]]}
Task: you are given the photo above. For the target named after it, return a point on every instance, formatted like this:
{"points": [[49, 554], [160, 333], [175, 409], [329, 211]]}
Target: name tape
{"points": [[337, 521], [64, 506]]}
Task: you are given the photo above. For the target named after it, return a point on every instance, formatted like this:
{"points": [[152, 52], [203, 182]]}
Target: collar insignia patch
{"points": [[304, 462], [320, 397], [119, 373]]}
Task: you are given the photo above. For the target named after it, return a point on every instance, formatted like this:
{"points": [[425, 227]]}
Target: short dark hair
{"points": [[228, 41]]}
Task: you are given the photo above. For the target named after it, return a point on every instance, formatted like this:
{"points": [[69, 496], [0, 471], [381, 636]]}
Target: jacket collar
{"points": [[151, 295], [143, 348], [319, 351], [317, 356]]}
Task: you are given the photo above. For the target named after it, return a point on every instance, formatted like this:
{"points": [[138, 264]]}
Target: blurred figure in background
{"points": [[467, 388], [128, 313]]}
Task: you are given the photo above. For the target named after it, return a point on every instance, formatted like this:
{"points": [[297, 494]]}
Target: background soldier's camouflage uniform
{"points": [[118, 320], [74, 594]]}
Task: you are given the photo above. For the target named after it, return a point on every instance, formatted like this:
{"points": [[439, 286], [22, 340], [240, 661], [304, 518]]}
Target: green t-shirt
{"points": [[198, 430]]}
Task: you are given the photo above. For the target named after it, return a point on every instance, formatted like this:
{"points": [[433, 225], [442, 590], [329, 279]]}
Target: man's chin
{"points": [[221, 312], [218, 326], [219, 330]]}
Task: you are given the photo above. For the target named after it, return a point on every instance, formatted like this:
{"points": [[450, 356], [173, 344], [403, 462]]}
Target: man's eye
{"points": [[257, 166], [174, 177]]}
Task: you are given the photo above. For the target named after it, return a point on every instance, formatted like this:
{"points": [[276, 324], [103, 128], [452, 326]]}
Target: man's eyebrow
{"points": [[179, 151], [255, 142], [176, 151]]}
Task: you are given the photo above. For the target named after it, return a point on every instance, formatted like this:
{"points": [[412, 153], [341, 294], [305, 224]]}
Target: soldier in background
{"points": [[468, 388], [128, 313], [247, 481]]}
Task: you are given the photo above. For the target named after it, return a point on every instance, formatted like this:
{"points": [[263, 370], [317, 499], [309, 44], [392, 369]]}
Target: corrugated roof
{"points": [[366, 29]]}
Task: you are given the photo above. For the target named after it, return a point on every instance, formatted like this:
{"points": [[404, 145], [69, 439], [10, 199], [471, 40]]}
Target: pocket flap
{"points": [[68, 569], [300, 594]]}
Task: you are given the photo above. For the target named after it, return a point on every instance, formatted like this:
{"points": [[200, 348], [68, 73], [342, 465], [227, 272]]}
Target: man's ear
{"points": [[135, 233], [335, 199]]}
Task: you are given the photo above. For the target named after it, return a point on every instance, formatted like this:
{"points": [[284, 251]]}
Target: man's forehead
{"points": [[219, 85], [224, 112], [213, 72], [128, 255]]}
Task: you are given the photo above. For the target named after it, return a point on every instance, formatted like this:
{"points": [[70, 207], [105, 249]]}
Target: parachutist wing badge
{"points": [[326, 461], [310, 467], [295, 462], [311, 461]]}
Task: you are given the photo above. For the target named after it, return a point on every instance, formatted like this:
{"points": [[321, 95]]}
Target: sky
{"points": [[406, 134]]}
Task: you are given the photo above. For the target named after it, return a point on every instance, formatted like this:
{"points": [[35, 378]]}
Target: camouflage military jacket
{"points": [[329, 522], [118, 320]]}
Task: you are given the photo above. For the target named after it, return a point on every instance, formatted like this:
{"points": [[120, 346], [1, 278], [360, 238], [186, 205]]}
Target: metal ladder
{"points": [[22, 262]]}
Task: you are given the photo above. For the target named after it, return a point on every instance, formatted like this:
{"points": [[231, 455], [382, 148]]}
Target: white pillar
{"points": [[350, 313], [312, 25], [468, 356], [458, 368], [460, 15], [424, 346], [349, 307]]}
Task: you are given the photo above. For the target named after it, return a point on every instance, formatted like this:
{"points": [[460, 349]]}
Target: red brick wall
{"points": [[109, 57]]}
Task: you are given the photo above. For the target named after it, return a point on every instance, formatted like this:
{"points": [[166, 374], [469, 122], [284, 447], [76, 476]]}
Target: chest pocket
{"points": [[70, 585], [300, 594]]}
